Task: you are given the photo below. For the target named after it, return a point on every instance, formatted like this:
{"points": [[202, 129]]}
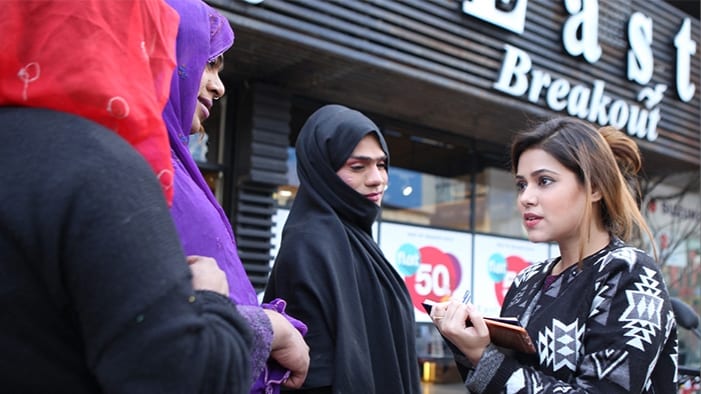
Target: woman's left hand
{"points": [[206, 275], [451, 318]]}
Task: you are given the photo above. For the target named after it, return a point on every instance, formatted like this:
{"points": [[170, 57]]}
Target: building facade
{"points": [[449, 82]]}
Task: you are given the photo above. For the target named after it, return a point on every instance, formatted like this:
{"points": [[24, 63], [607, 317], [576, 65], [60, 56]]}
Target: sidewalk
{"points": [[441, 378], [443, 388]]}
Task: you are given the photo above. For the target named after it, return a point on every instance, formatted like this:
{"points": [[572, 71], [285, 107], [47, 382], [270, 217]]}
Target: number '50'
{"points": [[432, 280]]}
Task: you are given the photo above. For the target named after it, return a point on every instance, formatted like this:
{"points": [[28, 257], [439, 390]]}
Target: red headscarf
{"points": [[108, 61]]}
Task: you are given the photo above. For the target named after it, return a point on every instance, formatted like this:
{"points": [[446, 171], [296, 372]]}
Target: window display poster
{"points": [[497, 260], [434, 263]]}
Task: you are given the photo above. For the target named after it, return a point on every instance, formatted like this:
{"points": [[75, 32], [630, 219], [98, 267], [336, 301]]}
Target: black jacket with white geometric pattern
{"points": [[605, 328]]}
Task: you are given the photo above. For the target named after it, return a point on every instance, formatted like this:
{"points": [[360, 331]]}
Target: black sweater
{"points": [[95, 294]]}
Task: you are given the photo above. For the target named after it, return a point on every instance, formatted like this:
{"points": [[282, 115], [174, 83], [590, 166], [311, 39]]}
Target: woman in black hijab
{"points": [[330, 270]]}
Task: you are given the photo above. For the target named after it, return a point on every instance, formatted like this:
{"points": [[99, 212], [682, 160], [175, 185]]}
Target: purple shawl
{"points": [[201, 223]]}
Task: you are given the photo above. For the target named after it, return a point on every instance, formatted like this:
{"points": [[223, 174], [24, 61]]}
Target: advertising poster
{"points": [[497, 261], [434, 263]]}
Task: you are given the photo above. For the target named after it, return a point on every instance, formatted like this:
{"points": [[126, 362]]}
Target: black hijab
{"points": [[334, 276]]}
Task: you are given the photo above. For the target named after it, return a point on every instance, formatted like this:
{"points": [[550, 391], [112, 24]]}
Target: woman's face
{"points": [[550, 198], [211, 88], [366, 169]]}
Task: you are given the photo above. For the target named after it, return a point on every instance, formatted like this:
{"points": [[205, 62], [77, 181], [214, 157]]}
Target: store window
{"points": [[208, 149], [421, 198], [499, 213], [411, 197], [286, 193], [437, 190]]}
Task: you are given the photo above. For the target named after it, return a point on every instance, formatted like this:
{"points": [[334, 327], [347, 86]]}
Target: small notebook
{"points": [[506, 332]]}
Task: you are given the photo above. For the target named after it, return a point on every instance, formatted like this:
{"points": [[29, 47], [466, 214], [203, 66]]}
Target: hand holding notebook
{"points": [[505, 332]]}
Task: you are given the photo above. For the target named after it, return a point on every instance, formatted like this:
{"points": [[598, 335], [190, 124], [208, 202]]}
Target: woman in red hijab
{"points": [[94, 289]]}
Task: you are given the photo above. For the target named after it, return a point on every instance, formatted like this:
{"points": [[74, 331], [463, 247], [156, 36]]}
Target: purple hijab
{"points": [[201, 223]]}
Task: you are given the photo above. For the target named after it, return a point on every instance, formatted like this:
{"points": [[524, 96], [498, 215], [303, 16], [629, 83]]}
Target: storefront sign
{"points": [[640, 118], [517, 78], [507, 14]]}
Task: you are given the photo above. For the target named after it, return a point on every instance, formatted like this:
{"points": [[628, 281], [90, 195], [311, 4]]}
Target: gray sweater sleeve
{"points": [[479, 377]]}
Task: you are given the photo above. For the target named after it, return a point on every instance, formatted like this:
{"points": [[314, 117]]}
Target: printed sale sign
{"points": [[497, 261], [434, 263]]}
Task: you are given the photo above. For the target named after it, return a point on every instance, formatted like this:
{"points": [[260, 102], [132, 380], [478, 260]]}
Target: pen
{"points": [[467, 297]]}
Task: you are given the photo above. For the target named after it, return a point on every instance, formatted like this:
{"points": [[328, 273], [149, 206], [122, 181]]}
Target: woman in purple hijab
{"points": [[280, 355]]}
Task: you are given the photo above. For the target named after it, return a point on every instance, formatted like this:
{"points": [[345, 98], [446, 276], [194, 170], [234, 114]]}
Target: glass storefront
{"points": [[443, 201], [432, 214], [464, 190]]}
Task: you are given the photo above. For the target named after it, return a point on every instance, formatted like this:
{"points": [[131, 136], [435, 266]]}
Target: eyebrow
{"points": [[368, 158], [538, 172], [218, 62]]}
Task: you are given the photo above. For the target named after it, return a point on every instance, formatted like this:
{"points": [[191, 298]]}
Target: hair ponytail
{"points": [[624, 216]]}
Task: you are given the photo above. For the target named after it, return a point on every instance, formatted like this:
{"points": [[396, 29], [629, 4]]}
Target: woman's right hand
{"points": [[206, 275], [450, 318], [289, 349]]}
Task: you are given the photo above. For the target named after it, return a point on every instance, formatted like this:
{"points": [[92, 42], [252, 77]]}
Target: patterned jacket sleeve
{"points": [[627, 343]]}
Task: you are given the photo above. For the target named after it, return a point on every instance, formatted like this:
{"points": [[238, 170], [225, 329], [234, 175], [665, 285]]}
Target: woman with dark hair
{"points": [[599, 314], [331, 271]]}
